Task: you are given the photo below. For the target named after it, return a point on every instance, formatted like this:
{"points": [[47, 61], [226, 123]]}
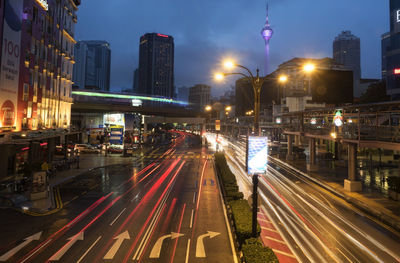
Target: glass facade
{"points": [[392, 56]]}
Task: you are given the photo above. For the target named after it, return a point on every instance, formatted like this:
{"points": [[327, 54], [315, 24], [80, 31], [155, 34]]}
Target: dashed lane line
{"points": [[123, 210], [87, 251]]}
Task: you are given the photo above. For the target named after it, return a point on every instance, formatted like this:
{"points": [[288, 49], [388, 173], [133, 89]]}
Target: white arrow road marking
{"points": [[14, 251], [200, 252], [72, 240], [155, 252], [114, 249]]}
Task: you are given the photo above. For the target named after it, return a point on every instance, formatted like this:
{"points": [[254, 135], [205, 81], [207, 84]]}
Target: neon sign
{"points": [[338, 119], [44, 4], [397, 71], [398, 16], [161, 35]]}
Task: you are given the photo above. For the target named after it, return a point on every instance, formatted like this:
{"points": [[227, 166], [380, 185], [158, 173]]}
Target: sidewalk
{"points": [[331, 176], [87, 162]]}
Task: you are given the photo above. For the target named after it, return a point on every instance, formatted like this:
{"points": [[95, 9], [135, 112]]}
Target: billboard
{"points": [[10, 59], [114, 119], [257, 154], [116, 135]]}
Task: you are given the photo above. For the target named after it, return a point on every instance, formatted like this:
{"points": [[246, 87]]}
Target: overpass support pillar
{"points": [[352, 184], [297, 140], [289, 155], [311, 167]]}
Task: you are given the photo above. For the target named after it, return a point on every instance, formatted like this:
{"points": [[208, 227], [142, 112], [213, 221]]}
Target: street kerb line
{"points": [[87, 251], [228, 228]]}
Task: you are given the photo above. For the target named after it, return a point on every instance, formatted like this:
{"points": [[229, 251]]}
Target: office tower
{"points": [[92, 68], [346, 51], [199, 96], [391, 54], [156, 65]]}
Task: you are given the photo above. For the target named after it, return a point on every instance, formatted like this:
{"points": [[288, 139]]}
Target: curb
{"points": [[379, 215], [59, 205]]}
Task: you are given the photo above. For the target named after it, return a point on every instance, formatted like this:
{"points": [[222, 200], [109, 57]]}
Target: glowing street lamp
{"points": [[219, 76], [208, 108], [229, 64], [228, 108], [283, 78], [309, 67]]}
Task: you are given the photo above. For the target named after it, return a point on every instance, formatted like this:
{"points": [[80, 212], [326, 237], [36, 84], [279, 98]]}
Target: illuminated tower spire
{"points": [[266, 33]]}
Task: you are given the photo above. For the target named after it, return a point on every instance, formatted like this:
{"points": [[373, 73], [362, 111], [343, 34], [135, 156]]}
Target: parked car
{"points": [[86, 148], [17, 201], [115, 148]]}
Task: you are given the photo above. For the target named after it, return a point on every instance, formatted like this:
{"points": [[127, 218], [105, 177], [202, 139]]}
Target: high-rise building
{"points": [[156, 65], [199, 96], [36, 68], [346, 50], [266, 33], [35, 79], [92, 67], [391, 52], [385, 43]]}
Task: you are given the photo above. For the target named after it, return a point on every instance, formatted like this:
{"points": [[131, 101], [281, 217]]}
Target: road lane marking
{"points": [[276, 240], [283, 253], [72, 240], [114, 249], [187, 251], [156, 251], [87, 251], [269, 229], [194, 197], [191, 219], [179, 229], [33, 253], [260, 219], [15, 250], [123, 210], [200, 251]]}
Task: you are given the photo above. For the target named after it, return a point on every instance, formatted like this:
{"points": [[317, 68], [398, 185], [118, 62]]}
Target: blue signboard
{"points": [[116, 135], [257, 155]]}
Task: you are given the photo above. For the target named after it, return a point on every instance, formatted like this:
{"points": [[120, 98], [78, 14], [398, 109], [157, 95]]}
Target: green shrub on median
{"points": [[229, 184], [242, 217], [254, 252]]}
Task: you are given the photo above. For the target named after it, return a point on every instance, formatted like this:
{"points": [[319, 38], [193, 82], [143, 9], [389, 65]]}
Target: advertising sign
{"points": [[338, 118], [117, 135], [396, 17], [257, 155], [10, 59], [114, 119]]}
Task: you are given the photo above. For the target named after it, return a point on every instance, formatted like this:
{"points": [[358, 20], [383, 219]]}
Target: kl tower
{"points": [[267, 33]]}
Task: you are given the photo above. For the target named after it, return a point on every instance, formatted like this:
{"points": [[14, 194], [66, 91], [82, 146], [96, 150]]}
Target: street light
{"points": [[208, 108], [309, 67], [228, 108], [283, 78]]}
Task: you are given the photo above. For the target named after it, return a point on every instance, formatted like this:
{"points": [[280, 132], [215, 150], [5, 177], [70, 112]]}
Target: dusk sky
{"points": [[206, 31]]}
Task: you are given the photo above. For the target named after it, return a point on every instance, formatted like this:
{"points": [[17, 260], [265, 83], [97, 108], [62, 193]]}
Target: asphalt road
{"points": [[304, 223], [165, 208]]}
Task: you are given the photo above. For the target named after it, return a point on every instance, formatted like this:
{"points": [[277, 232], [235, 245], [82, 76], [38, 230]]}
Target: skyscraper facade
{"points": [[266, 33], [92, 67], [36, 67], [156, 65], [199, 96], [385, 45], [346, 51], [391, 52]]}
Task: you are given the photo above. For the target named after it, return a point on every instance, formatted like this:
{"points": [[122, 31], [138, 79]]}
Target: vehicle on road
{"points": [[17, 201], [86, 148], [114, 148]]}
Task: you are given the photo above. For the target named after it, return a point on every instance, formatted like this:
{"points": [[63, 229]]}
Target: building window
{"points": [[25, 92]]}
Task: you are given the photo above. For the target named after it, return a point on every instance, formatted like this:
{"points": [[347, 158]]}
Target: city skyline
{"points": [[210, 34]]}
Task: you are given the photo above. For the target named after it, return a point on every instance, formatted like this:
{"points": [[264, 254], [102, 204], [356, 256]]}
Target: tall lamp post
{"points": [[257, 83]]}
